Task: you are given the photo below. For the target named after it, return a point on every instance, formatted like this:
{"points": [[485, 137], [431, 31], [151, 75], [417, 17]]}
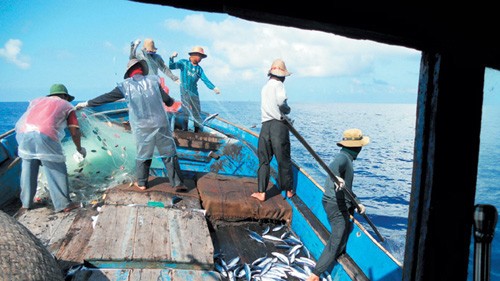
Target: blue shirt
{"points": [[190, 74]]}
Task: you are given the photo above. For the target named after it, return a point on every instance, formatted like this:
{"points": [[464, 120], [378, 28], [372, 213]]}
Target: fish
{"points": [[266, 230], [248, 273], [281, 257], [255, 236], [233, 263], [278, 228], [272, 238]]}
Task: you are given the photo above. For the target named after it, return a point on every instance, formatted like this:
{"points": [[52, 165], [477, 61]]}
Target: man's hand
{"points": [[80, 155], [83, 151], [216, 90], [174, 54], [178, 81], [361, 209], [81, 105], [340, 185]]}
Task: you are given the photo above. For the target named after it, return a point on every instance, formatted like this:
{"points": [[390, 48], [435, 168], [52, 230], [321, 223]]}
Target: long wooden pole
{"points": [[329, 172]]}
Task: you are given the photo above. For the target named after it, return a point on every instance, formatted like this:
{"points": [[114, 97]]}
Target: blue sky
{"points": [[85, 45]]}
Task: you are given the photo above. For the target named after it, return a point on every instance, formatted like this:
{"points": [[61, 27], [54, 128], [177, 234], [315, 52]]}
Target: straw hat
{"points": [[131, 63], [149, 45], [353, 138], [198, 50], [60, 89], [278, 68]]}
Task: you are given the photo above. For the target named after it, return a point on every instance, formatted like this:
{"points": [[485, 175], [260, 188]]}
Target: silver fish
{"points": [[281, 257], [255, 236], [272, 238], [278, 228], [266, 230]]}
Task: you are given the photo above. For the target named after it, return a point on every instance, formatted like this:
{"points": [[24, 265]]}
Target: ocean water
{"points": [[383, 169]]}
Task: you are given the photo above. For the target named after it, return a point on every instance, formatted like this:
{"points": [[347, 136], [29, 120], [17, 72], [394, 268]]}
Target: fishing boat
{"points": [[455, 54], [211, 232]]}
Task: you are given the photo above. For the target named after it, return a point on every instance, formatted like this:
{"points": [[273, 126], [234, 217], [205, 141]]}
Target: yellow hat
{"points": [[149, 45], [353, 138]]}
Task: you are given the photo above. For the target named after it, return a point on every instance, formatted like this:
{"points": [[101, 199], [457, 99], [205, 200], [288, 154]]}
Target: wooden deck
{"points": [[156, 234]]}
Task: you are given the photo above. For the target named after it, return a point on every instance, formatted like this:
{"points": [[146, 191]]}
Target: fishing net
{"points": [[110, 159]]}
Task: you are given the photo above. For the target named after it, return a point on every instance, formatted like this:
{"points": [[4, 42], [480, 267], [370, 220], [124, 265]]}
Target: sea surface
{"points": [[383, 169]]}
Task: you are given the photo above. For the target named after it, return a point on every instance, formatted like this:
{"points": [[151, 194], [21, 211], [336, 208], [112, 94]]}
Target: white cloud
{"points": [[242, 47], [12, 53]]}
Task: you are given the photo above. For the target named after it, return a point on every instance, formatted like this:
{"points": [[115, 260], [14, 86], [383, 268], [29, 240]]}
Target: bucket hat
{"points": [[198, 50], [131, 63], [278, 68], [60, 89], [353, 138], [149, 45]]}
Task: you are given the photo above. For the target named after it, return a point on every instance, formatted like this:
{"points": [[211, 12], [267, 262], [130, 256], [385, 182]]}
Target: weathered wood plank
{"points": [[76, 239], [149, 235], [146, 275], [179, 238]]}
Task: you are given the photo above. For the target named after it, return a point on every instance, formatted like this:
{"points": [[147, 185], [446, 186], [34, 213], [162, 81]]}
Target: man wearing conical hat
{"points": [[274, 137]]}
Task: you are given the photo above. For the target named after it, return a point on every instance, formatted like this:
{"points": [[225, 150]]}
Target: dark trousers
{"points": [[171, 164], [274, 140], [341, 225]]}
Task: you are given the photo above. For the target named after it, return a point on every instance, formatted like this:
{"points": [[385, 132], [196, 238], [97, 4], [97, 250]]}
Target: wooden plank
{"points": [[76, 239], [151, 235], [152, 241], [114, 230], [146, 275], [200, 240], [190, 238], [180, 248]]}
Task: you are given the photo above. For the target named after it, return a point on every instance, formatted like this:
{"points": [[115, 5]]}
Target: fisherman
{"points": [[274, 137], [337, 205], [148, 120], [154, 60], [191, 72], [39, 132]]}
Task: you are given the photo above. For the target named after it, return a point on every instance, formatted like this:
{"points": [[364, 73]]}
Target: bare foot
{"points": [[261, 196], [142, 187], [290, 193], [71, 206], [313, 277]]}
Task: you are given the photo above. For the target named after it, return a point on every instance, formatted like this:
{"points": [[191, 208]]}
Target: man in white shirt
{"points": [[274, 137]]}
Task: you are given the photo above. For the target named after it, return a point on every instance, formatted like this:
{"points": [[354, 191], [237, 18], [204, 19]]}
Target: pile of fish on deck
{"points": [[290, 260]]}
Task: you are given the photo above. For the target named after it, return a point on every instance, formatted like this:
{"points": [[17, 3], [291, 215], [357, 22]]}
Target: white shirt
{"points": [[273, 95]]}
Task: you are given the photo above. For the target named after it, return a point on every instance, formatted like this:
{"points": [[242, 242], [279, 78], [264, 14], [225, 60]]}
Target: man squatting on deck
{"points": [[337, 205], [150, 126], [274, 137]]}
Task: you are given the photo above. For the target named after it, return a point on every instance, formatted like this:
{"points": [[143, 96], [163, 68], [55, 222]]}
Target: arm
{"points": [[172, 64], [284, 108], [74, 130], [282, 100], [165, 69], [112, 96], [205, 80], [167, 99], [133, 48]]}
